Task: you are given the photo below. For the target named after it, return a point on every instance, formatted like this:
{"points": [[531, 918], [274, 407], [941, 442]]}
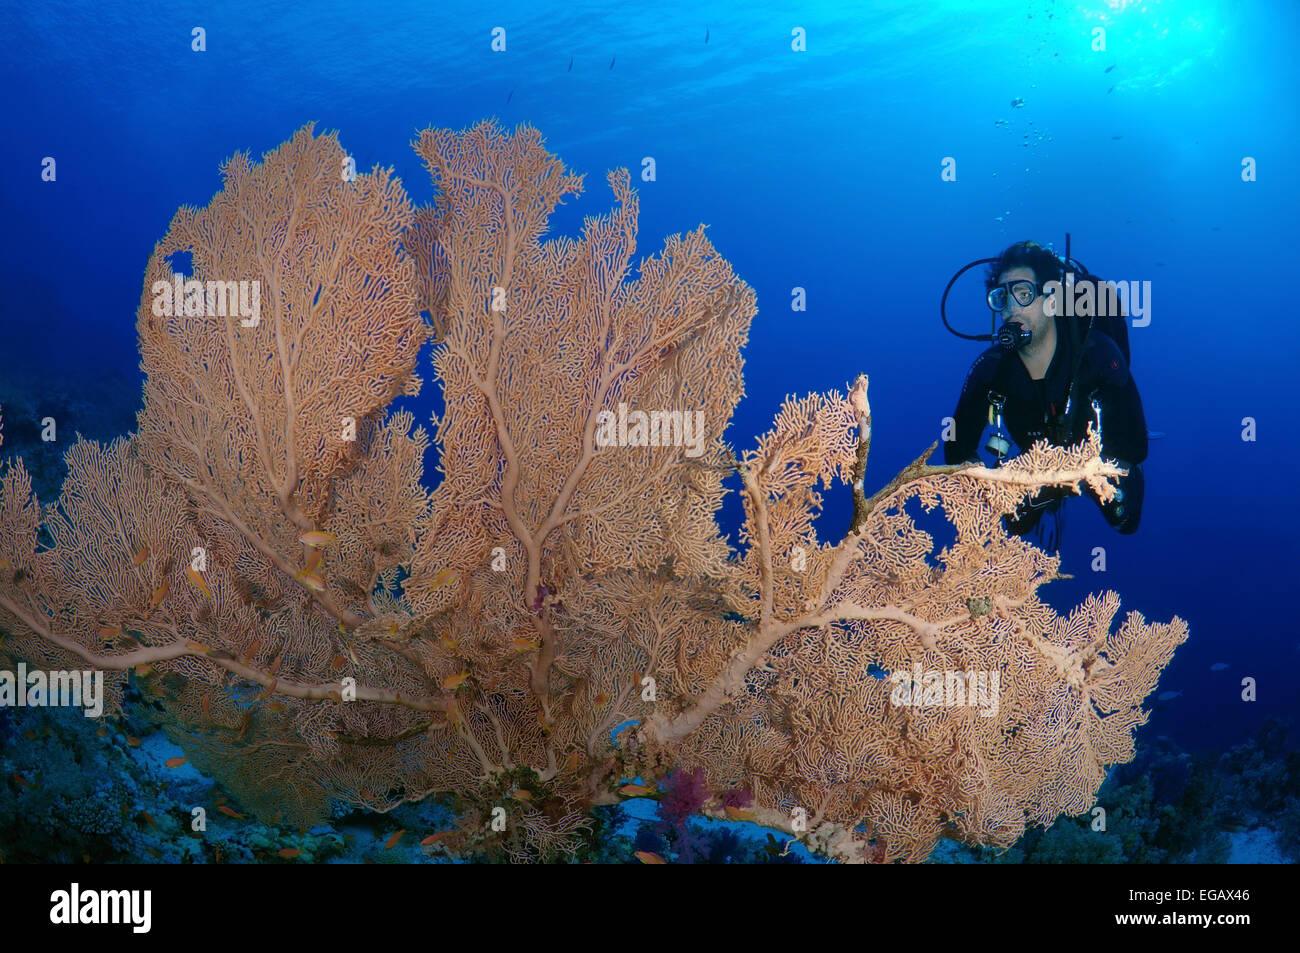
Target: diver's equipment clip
{"points": [[998, 444], [1117, 503]]}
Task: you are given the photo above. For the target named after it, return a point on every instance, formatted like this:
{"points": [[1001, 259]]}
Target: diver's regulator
{"points": [[1012, 336]]}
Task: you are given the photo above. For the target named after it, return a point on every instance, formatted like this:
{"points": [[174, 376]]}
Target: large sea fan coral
{"points": [[317, 625]]}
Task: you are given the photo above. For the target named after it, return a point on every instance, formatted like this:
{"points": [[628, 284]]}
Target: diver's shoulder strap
{"points": [[1001, 376]]}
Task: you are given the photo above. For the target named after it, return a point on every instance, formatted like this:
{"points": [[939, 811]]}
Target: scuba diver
{"points": [[1050, 376]]}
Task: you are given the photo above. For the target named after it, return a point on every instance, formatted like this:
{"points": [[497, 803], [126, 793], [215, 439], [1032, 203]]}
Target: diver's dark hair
{"points": [[1045, 266]]}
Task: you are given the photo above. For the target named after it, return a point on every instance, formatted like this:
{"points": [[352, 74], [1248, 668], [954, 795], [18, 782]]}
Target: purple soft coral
{"points": [[737, 798], [684, 794]]}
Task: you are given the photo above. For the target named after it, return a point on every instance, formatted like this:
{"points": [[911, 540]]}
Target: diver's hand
{"points": [[1045, 499], [1123, 510], [1032, 509], [1118, 483]]}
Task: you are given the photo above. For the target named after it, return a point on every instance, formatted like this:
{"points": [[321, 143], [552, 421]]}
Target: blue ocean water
{"points": [[818, 169]]}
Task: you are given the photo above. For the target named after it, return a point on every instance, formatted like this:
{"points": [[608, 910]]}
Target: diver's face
{"points": [[1031, 315]]}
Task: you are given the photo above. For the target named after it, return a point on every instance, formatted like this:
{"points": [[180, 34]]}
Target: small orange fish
{"points": [[21, 780], [600, 699], [317, 539], [523, 645], [252, 650], [522, 794], [205, 703], [454, 717], [314, 560], [148, 818], [572, 764], [444, 577], [143, 669], [312, 581], [338, 662], [153, 852], [276, 708], [196, 579], [392, 841], [133, 741], [140, 556], [288, 853], [450, 644], [646, 857], [159, 595], [635, 790], [434, 838], [230, 812], [102, 732], [454, 682], [29, 735], [738, 814], [175, 762], [111, 632]]}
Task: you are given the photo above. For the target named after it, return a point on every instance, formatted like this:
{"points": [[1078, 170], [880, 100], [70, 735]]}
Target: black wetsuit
{"points": [[1030, 404]]}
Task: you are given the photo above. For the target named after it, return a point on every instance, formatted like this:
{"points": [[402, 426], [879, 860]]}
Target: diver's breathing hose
{"points": [[992, 335], [943, 312]]}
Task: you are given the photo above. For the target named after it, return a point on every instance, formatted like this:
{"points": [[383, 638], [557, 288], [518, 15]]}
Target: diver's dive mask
{"points": [[1023, 291]]}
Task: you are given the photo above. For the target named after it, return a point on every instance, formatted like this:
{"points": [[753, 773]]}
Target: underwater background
{"points": [[818, 169]]}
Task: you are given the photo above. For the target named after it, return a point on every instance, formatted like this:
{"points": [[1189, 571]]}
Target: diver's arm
{"points": [[970, 417], [1123, 422], [1123, 436], [971, 414]]}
